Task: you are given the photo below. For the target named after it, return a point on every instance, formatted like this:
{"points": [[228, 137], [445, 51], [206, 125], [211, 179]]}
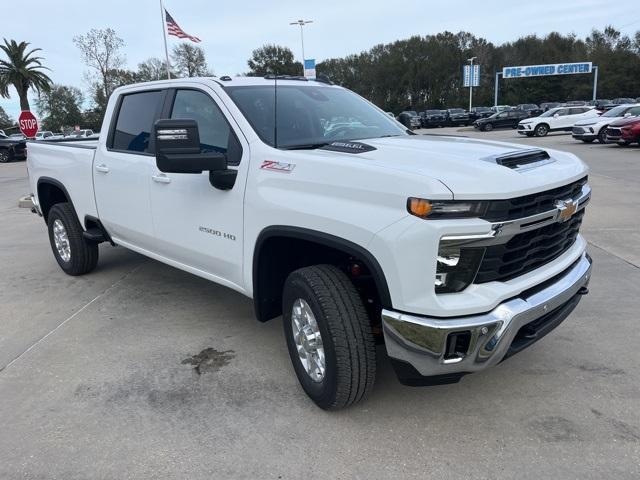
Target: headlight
{"points": [[446, 209], [456, 267]]}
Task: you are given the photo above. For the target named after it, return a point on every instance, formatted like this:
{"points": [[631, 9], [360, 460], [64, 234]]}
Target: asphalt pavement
{"points": [[139, 370]]}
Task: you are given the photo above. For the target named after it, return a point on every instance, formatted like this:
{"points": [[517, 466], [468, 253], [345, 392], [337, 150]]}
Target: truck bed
{"points": [[68, 162]]}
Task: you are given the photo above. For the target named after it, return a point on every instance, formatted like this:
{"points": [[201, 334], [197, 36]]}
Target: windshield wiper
{"points": [[306, 146]]}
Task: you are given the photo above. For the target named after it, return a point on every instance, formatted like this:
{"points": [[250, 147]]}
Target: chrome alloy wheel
{"points": [[61, 240], [306, 336]]}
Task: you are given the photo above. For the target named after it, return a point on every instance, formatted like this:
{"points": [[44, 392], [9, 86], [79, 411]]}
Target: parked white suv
{"points": [[559, 119], [596, 128], [456, 253]]}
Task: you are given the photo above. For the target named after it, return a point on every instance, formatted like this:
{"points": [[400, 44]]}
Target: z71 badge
{"points": [[277, 166]]}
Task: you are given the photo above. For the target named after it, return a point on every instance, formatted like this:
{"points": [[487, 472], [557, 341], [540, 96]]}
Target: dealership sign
{"points": [[544, 70], [471, 75], [310, 68]]}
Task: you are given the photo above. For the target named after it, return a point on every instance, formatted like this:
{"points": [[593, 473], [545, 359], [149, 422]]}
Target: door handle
{"points": [[102, 168], [161, 178]]}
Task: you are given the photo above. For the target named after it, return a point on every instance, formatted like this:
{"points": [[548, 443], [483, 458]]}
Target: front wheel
{"points": [[602, 135], [488, 127], [4, 156], [542, 130], [328, 336], [74, 254]]}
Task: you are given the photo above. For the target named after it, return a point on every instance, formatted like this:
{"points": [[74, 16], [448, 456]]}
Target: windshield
{"points": [[616, 112], [309, 116], [456, 110]]}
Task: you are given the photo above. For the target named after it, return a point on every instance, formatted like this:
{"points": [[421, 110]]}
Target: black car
{"points": [[457, 116], [477, 113], [530, 108], [433, 118], [509, 118], [12, 149], [544, 106], [410, 119]]}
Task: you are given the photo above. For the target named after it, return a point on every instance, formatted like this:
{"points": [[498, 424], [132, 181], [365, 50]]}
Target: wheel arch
{"points": [[279, 250], [50, 192]]}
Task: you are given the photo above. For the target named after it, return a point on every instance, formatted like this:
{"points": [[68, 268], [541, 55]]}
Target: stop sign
{"points": [[28, 124]]}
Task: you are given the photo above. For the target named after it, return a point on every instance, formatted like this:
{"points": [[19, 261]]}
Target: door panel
{"points": [[122, 196], [196, 224]]}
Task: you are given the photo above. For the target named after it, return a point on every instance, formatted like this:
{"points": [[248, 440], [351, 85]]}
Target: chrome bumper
{"points": [[421, 341]]}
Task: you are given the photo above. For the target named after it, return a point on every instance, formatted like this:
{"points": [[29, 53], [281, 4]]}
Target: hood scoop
{"points": [[522, 159], [348, 147]]}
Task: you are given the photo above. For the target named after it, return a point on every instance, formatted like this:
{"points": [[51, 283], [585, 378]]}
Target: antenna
{"points": [[275, 110]]}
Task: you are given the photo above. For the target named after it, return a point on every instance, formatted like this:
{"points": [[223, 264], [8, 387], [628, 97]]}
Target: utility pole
{"points": [[302, 23], [471, 81]]}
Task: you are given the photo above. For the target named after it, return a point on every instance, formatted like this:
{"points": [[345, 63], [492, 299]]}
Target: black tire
{"points": [[5, 156], [488, 127], [542, 130], [343, 323], [83, 254], [602, 135]]}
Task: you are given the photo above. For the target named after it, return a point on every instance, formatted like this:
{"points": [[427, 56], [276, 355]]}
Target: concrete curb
{"points": [[25, 202]]}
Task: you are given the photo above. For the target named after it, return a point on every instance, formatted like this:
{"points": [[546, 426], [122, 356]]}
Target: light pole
{"points": [[302, 23], [471, 79]]}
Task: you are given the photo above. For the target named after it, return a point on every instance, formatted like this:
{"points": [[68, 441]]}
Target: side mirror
{"points": [[556, 115], [178, 149], [626, 115]]}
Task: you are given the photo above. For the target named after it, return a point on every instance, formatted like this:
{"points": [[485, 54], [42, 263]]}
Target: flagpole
{"points": [[164, 37]]}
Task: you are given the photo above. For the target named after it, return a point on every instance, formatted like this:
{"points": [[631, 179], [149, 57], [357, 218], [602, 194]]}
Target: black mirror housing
{"points": [[178, 149]]}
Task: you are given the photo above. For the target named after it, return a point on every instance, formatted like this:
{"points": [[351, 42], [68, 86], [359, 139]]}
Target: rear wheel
{"points": [[542, 130], [328, 336], [74, 254]]}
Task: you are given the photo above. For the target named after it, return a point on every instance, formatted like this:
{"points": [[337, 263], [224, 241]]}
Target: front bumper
{"points": [[420, 346]]}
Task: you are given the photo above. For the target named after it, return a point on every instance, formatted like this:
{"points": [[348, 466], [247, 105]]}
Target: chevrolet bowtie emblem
{"points": [[566, 209]]}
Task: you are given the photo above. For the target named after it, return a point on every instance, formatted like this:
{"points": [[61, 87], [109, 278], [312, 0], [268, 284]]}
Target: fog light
{"points": [[456, 267]]}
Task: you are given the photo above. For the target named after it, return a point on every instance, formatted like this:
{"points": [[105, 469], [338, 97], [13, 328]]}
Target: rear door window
{"points": [[137, 113]]}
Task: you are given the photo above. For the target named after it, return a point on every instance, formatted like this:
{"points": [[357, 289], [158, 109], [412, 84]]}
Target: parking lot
{"points": [[139, 370]]}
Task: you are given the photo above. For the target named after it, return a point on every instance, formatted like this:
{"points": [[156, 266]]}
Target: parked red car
{"points": [[624, 131]]}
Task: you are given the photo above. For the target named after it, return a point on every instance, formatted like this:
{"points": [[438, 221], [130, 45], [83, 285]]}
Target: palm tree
{"points": [[22, 70]]}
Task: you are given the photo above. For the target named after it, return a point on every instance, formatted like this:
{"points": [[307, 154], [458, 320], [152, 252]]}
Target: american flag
{"points": [[175, 30]]}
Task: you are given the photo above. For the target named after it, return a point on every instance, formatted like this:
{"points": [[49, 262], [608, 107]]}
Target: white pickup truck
{"points": [[455, 253]]}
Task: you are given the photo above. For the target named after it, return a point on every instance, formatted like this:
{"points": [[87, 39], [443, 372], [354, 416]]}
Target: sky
{"points": [[230, 31]]}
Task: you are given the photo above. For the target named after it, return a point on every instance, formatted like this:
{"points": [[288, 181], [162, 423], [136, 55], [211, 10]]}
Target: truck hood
{"points": [[466, 166]]}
